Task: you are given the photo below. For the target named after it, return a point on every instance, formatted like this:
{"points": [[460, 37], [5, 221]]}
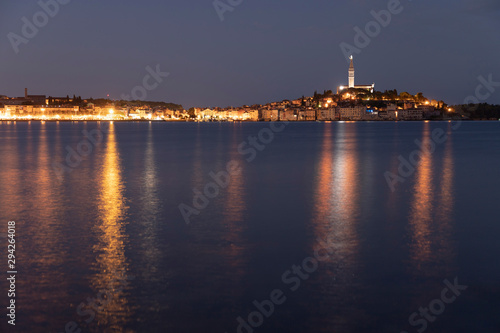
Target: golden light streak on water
{"points": [[337, 194], [111, 263], [420, 219]]}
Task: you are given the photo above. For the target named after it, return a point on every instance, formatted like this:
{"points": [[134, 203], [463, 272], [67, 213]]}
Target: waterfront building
{"points": [[310, 114], [326, 114], [207, 114], [27, 99], [411, 114], [288, 115], [352, 113], [251, 115], [302, 115], [40, 112], [269, 115]]}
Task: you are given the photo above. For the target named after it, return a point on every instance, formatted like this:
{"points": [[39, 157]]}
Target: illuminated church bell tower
{"points": [[351, 74]]}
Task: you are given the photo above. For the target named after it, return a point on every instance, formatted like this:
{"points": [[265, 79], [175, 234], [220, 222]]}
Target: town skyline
{"points": [[349, 102], [252, 56]]}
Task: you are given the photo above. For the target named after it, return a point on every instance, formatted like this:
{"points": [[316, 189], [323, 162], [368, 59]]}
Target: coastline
{"points": [[242, 121]]}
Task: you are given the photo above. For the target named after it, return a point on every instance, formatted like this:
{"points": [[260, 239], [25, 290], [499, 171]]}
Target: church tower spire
{"points": [[351, 73]]}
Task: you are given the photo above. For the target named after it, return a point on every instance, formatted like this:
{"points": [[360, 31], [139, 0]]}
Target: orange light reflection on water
{"points": [[420, 218], [111, 262], [337, 192], [431, 209]]}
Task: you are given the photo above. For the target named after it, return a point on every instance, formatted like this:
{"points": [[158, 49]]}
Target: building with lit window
{"points": [[352, 113]]}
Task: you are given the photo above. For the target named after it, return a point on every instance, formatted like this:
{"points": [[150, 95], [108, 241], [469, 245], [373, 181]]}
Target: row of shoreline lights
{"points": [[111, 113]]}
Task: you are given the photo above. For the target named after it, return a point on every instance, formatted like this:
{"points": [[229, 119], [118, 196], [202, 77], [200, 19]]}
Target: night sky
{"points": [[262, 51]]}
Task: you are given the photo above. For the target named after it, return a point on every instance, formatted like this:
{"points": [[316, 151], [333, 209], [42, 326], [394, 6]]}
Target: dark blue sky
{"points": [[262, 51]]}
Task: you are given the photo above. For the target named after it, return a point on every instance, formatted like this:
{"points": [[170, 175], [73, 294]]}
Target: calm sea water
{"points": [[103, 247]]}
